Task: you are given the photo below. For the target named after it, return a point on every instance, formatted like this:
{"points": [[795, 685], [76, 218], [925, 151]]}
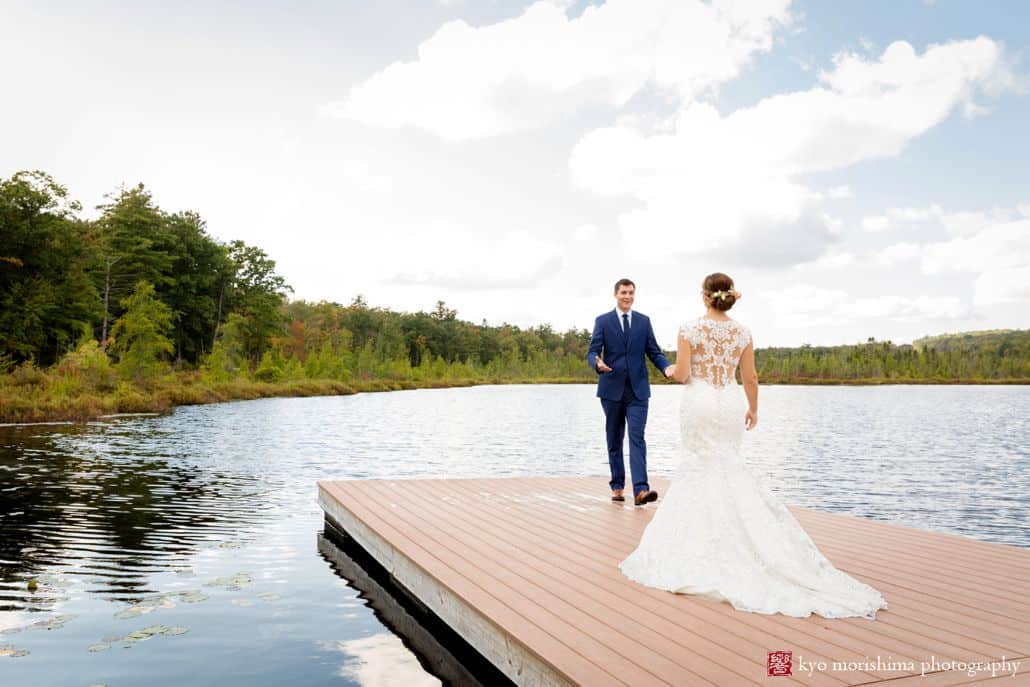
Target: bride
{"points": [[720, 533]]}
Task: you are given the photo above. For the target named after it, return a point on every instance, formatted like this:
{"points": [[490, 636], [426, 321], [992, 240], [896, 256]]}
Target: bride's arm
{"points": [[682, 371], [749, 378]]}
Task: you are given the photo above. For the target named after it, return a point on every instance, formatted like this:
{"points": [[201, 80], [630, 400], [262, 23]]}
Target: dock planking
{"points": [[526, 571]]}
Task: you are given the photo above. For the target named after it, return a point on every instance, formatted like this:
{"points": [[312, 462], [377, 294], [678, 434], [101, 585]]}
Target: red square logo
{"points": [[779, 663]]}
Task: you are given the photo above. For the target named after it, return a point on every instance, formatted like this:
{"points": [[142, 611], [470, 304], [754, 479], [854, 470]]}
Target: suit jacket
{"points": [[624, 354]]}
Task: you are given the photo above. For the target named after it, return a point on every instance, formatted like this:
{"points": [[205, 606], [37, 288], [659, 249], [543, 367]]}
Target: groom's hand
{"points": [[601, 367], [670, 371]]}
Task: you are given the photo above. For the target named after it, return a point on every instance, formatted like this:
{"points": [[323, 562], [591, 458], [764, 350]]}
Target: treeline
{"points": [[63, 278], [152, 287], [992, 356], [142, 309], [343, 342]]}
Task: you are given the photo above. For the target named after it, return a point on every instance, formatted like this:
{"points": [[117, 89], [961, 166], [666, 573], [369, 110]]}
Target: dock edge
{"points": [[511, 657]]}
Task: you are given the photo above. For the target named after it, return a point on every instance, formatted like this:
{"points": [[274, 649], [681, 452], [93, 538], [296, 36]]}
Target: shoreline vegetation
{"points": [[181, 389], [140, 310]]}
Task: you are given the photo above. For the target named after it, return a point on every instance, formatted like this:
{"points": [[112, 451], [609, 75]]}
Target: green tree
{"points": [[257, 294], [134, 245], [140, 337], [226, 360], [271, 367], [88, 367], [199, 268], [46, 296]]}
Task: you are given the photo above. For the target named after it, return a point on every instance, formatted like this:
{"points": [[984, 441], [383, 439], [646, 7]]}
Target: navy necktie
{"points": [[625, 324]]}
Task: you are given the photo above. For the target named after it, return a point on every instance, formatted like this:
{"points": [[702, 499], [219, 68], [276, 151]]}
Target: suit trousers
{"points": [[629, 412]]}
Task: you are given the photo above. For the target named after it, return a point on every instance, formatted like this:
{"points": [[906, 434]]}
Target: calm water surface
{"points": [[184, 548]]}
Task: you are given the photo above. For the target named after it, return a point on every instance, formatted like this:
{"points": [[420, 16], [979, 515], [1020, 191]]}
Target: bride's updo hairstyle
{"points": [[719, 292]]}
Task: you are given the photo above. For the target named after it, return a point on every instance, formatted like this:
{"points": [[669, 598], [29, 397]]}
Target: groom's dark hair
{"points": [[624, 282]]}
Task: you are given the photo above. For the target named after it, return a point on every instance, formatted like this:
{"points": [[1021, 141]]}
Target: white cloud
{"points": [[875, 223], [710, 182], [916, 214], [905, 308], [832, 261], [360, 176], [829, 261], [898, 252], [971, 110], [906, 218], [809, 305], [995, 246], [868, 109], [471, 82], [1003, 285], [585, 232], [448, 257], [380, 660], [699, 186], [959, 223], [966, 223]]}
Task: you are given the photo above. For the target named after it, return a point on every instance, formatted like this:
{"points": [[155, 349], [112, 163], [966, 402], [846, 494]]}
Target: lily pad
{"points": [[151, 631], [55, 623], [8, 650], [51, 580], [131, 612], [237, 581], [146, 606], [175, 630], [243, 602], [191, 597], [140, 635], [268, 596], [94, 648]]}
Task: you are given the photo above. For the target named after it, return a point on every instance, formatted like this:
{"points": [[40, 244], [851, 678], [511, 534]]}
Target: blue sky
{"points": [[515, 159]]}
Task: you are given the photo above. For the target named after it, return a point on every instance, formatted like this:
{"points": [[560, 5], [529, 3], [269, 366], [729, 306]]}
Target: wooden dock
{"points": [[526, 571]]}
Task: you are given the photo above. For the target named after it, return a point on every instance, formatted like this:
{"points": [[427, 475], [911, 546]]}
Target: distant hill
{"points": [[992, 356], [988, 339]]}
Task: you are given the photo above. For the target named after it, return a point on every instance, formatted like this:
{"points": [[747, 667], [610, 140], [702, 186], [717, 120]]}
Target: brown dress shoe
{"points": [[617, 495], [645, 497]]}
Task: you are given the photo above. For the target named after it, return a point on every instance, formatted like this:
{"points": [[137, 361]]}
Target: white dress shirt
{"points": [[629, 319]]}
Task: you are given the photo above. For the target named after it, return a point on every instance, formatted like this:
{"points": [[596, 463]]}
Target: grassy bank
{"points": [[46, 397], [46, 400]]}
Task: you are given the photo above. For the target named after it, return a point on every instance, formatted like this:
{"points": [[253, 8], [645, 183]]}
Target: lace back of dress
{"points": [[715, 349]]}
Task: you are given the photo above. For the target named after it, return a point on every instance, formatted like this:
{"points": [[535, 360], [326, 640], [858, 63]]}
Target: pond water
{"points": [[185, 548]]}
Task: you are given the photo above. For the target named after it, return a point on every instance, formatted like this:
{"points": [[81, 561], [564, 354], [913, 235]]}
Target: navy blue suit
{"points": [[624, 392]]}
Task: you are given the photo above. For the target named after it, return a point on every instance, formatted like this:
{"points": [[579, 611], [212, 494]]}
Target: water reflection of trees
{"points": [[107, 516], [439, 649]]}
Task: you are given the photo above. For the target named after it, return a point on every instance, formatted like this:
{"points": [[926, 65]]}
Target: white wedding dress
{"points": [[719, 532]]}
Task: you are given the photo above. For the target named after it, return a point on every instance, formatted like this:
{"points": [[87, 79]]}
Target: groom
{"points": [[625, 337]]}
